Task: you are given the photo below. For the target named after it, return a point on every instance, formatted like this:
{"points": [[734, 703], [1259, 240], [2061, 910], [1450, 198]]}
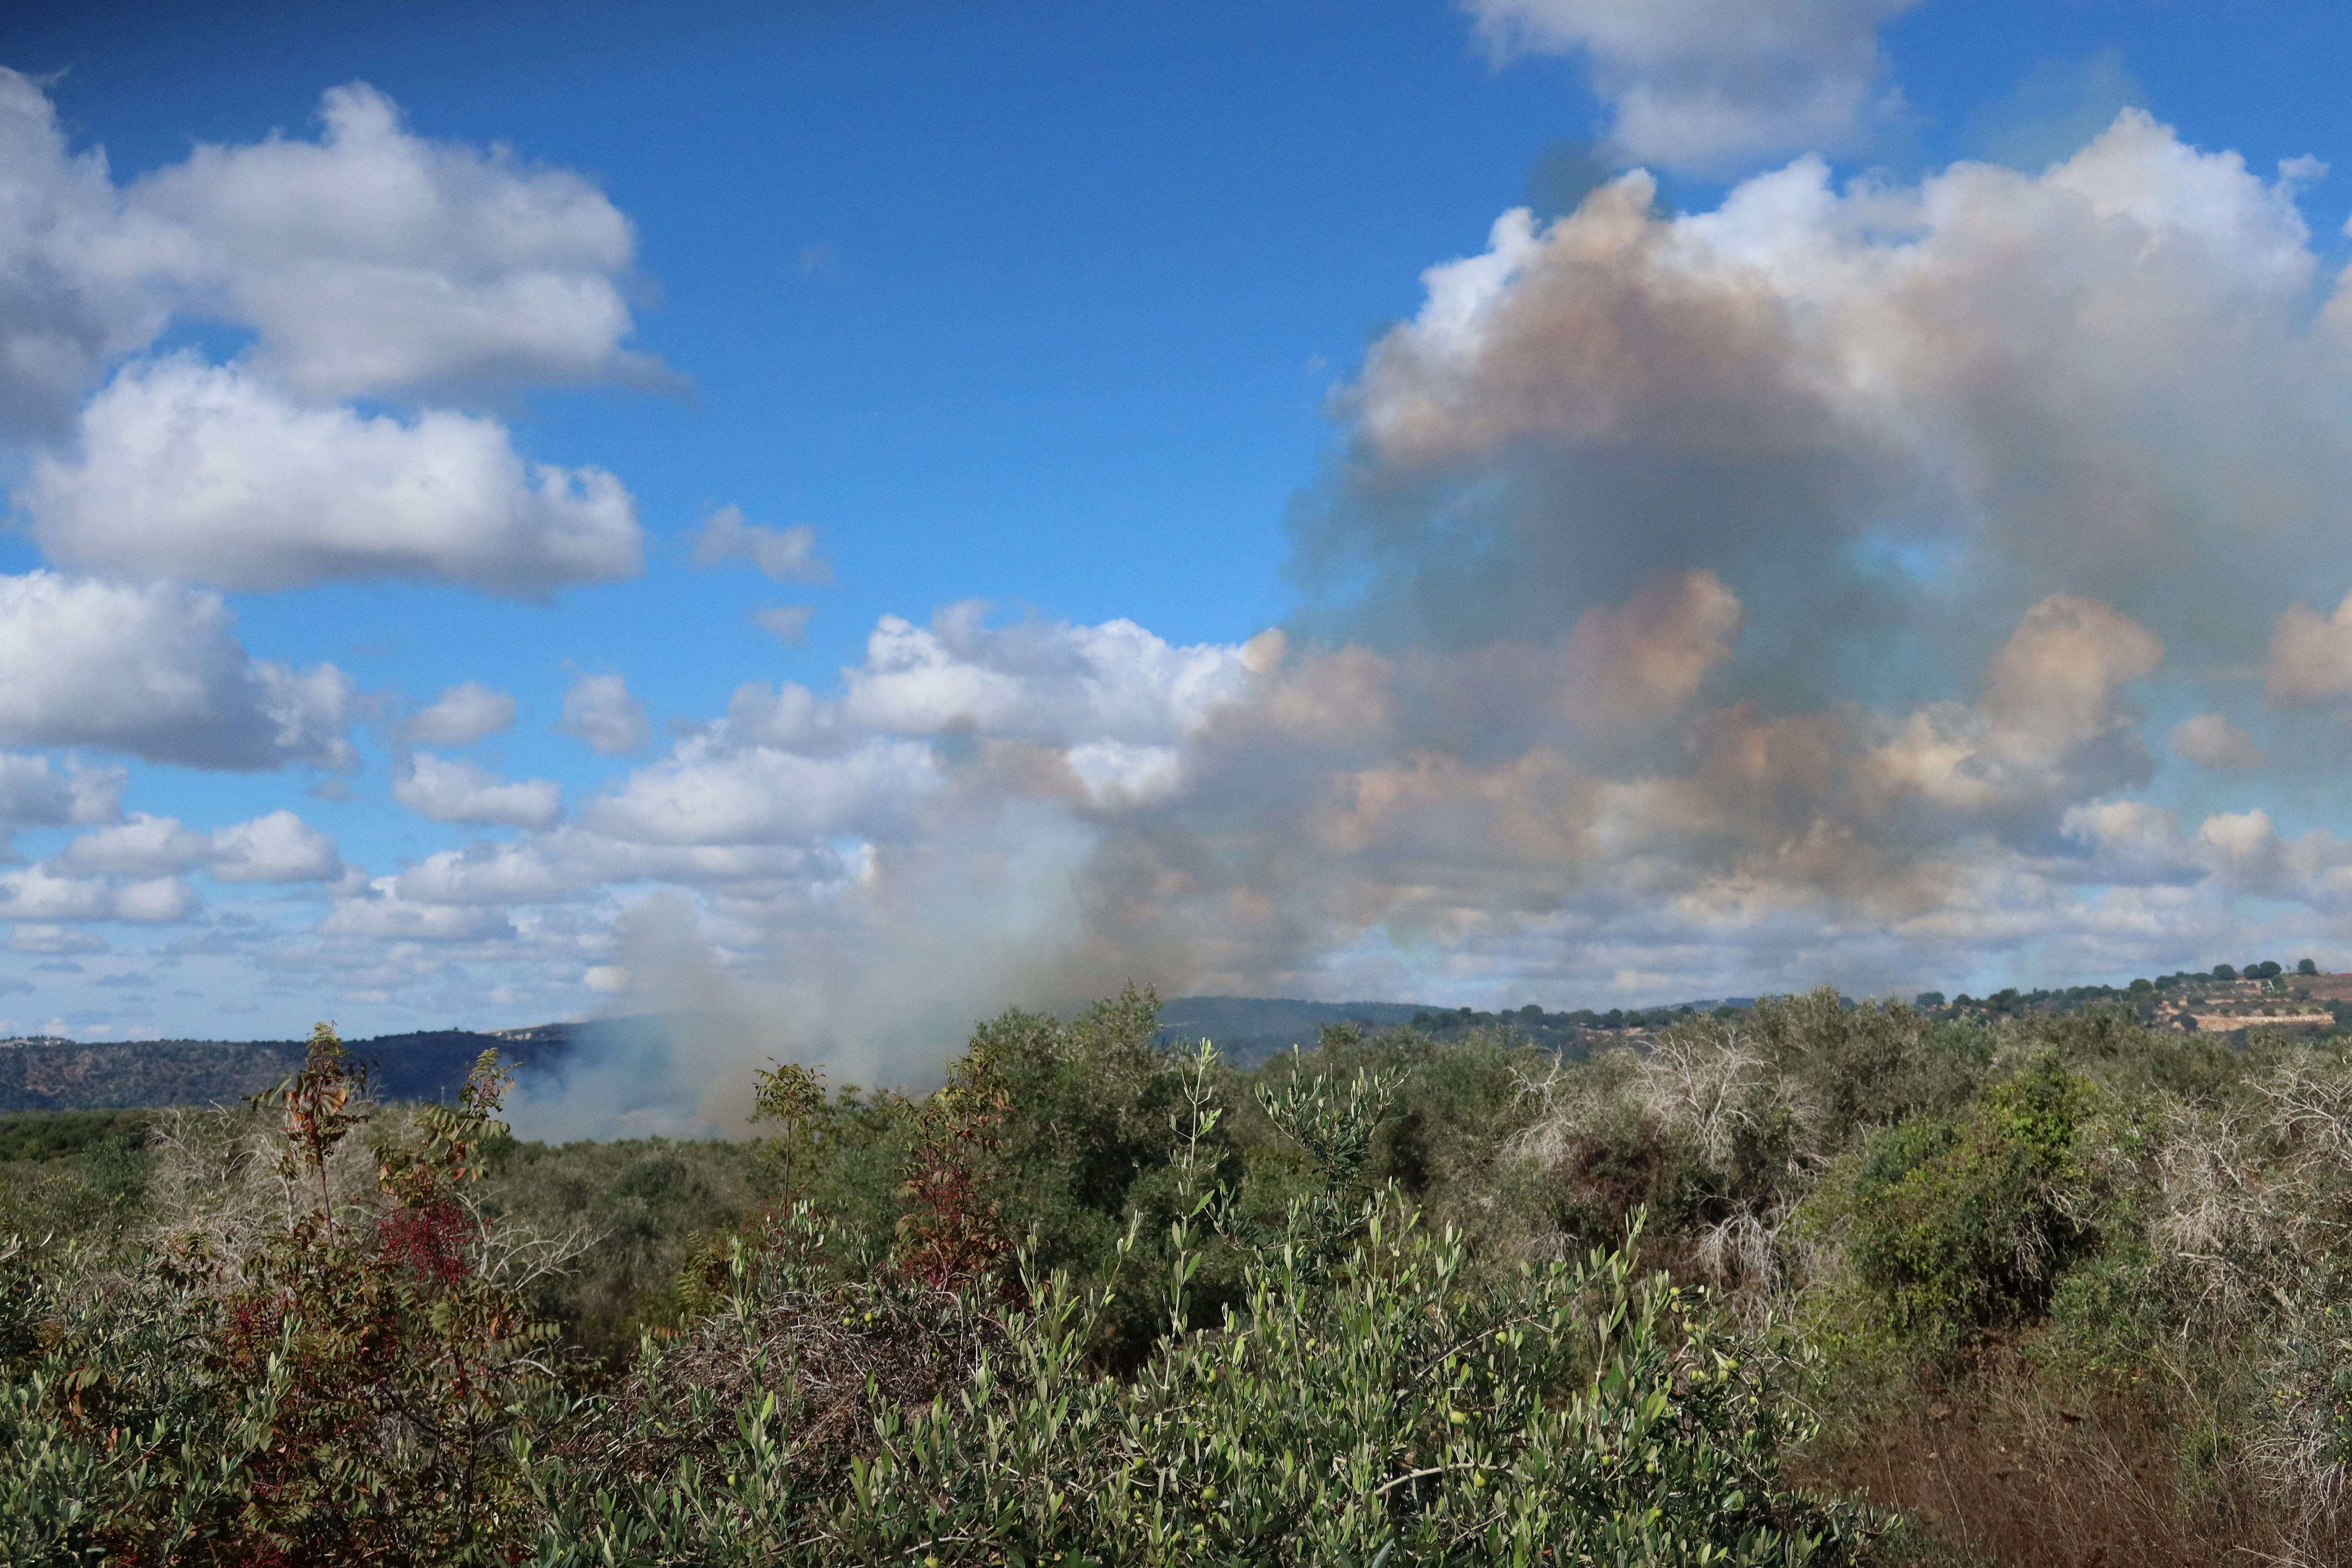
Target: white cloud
{"points": [[368, 262], [1711, 83], [1036, 680], [532, 873], [373, 261], [600, 710], [458, 790], [782, 556], [381, 915], [206, 473], [37, 895], [789, 715], [569, 864], [153, 670], [278, 847], [2210, 741], [761, 795], [2132, 843], [2245, 848], [463, 715], [144, 845], [80, 881]]}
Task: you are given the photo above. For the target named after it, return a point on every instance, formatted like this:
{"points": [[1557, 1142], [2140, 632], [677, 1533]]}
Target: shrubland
{"points": [[1805, 1282]]}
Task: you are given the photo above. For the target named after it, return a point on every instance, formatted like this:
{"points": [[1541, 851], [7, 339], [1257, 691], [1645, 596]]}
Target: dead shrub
{"points": [[1997, 1465], [837, 1356]]}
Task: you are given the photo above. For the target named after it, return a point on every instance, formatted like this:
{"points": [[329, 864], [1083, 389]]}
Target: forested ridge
{"points": [[1809, 1281]]}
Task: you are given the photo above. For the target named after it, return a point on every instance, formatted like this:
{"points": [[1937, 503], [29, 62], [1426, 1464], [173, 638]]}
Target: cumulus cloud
{"points": [[787, 555], [206, 473], [571, 863], [144, 845], [153, 670], [368, 262], [2132, 844], [38, 895], [380, 915], [278, 847], [599, 711], [36, 794], [73, 291], [1034, 679], [763, 795], [458, 790], [373, 260], [2210, 741], [2245, 852], [462, 715], [1709, 84]]}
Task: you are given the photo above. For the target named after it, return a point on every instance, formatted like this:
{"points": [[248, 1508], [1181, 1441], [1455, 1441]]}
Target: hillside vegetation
{"points": [[1807, 1282], [52, 1074]]}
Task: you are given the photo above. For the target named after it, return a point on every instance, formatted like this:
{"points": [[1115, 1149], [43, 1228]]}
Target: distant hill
{"points": [[1248, 1030], [49, 1073], [1251, 1028]]}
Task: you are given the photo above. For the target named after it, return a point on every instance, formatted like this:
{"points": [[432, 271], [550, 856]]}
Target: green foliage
{"points": [[1129, 1303], [1954, 1226], [793, 1097], [641, 1207], [1401, 1403], [60, 1134], [334, 1382], [1333, 1128], [77, 1174]]}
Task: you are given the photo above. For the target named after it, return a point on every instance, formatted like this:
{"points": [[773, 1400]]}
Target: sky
{"points": [[854, 517]]}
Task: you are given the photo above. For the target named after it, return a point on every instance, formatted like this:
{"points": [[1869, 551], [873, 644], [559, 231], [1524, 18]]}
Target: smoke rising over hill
{"points": [[1885, 581], [1700, 602]]}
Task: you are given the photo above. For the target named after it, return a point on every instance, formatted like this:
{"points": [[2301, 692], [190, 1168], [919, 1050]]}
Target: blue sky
{"points": [[1823, 561]]}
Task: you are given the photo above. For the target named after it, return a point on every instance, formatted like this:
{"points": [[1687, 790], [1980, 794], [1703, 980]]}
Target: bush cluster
{"points": [[2060, 1288], [1093, 1301], [2080, 1281]]}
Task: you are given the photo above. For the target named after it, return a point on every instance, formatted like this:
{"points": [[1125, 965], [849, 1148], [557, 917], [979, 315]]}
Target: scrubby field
{"points": [[1810, 1283]]}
